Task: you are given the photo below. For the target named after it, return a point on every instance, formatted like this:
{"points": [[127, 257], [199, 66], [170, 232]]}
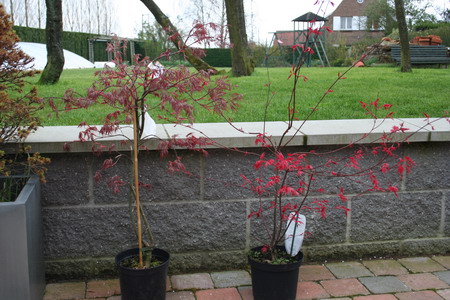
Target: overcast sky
{"points": [[268, 15]]}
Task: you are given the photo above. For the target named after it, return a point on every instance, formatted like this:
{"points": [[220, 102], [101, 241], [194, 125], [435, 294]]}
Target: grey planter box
{"points": [[22, 275]]}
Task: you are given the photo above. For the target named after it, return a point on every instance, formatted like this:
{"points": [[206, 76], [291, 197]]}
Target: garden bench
{"points": [[423, 54]]}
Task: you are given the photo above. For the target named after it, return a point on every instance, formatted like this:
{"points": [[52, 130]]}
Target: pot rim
{"points": [[159, 253], [271, 267]]}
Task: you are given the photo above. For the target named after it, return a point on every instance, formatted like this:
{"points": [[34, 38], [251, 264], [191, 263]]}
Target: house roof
{"points": [[309, 16], [286, 38], [349, 8]]}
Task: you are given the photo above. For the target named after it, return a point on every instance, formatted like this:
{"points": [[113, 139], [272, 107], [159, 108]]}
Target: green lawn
{"points": [[411, 94]]}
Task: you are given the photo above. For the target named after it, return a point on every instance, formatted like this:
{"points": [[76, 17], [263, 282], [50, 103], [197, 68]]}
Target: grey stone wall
{"points": [[202, 219]]}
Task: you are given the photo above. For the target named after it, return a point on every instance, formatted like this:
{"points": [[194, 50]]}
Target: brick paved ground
{"points": [[416, 278]]}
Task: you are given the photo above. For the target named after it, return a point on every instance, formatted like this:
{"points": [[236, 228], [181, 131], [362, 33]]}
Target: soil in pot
{"points": [[150, 261], [142, 284], [275, 281]]}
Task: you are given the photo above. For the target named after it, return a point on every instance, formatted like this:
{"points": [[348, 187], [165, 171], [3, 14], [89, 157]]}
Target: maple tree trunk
{"points": [[242, 62], [53, 32], [405, 65], [198, 63]]}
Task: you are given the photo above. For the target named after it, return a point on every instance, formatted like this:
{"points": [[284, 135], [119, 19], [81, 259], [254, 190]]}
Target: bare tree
{"points": [[98, 16], [15, 8], [207, 11], [90, 16], [68, 17], [53, 32], [39, 14], [108, 20], [11, 3], [403, 32], [242, 62], [172, 32], [26, 13], [223, 27]]}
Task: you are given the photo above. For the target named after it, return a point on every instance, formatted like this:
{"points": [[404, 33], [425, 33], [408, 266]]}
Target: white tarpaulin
{"points": [[39, 52]]}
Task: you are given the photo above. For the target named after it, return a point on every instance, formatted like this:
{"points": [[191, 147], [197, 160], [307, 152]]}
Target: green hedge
{"points": [[32, 35], [218, 57], [76, 42]]}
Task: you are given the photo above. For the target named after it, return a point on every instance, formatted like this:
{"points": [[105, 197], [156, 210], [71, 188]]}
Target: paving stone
{"points": [[423, 281], [231, 278], [444, 294], [422, 295], [421, 264], [65, 290], [246, 292], [197, 281], [185, 295], [222, 294], [443, 260], [376, 297], [102, 288], [384, 284], [314, 273], [344, 287], [444, 276], [348, 270], [168, 284], [385, 267], [310, 290], [430, 281]]}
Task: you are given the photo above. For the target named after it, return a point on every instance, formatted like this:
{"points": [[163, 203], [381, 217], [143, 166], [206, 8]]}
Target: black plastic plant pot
{"points": [[143, 284], [274, 281]]}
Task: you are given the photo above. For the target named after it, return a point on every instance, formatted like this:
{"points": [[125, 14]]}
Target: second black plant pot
{"points": [[274, 281], [143, 284]]}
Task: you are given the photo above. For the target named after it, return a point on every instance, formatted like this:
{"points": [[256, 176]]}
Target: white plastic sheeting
{"points": [[39, 52]]}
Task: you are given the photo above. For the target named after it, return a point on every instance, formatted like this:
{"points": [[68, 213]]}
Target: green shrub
{"points": [[441, 29], [218, 57]]}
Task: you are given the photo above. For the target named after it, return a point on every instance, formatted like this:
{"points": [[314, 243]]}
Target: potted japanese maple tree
{"points": [[292, 186], [134, 92]]}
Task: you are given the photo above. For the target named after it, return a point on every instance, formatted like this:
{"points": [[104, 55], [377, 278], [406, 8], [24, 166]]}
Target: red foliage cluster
{"points": [[288, 182], [170, 94], [17, 108]]}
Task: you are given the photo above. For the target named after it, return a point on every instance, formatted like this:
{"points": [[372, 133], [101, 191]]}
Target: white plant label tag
{"points": [[149, 126], [295, 233]]}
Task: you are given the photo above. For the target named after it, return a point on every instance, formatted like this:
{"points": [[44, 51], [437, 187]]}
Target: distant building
{"points": [[349, 22], [300, 38], [288, 38]]}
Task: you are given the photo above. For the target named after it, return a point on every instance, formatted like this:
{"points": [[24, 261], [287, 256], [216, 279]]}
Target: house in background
{"points": [[288, 38], [302, 37], [349, 23]]}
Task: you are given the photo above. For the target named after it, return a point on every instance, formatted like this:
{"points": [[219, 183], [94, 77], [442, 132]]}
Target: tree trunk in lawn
{"points": [[53, 32], [242, 62], [172, 31], [403, 32]]}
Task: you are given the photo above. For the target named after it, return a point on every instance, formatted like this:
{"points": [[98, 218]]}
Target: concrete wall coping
{"points": [[322, 132]]}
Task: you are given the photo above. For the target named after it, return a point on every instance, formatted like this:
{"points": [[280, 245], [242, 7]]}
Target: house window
{"points": [[346, 23]]}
